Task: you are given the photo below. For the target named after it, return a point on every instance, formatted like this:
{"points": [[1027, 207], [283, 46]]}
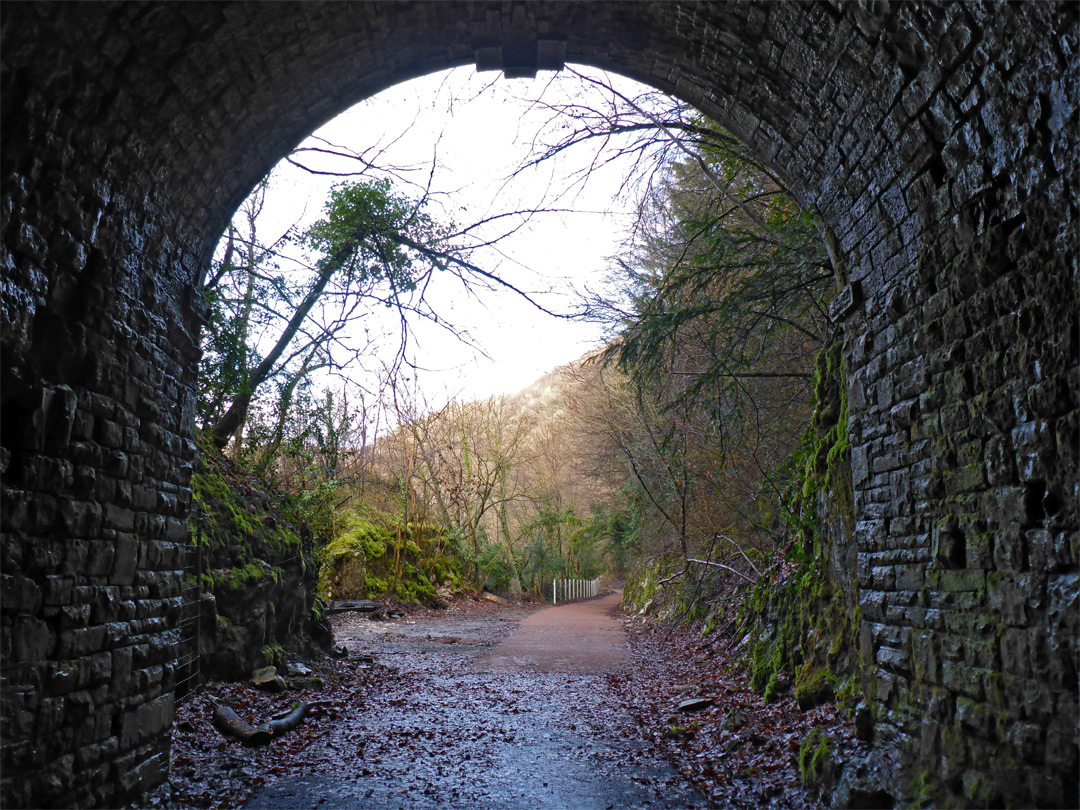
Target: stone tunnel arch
{"points": [[936, 140]]}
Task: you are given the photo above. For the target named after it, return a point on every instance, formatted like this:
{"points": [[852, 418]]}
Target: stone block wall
{"points": [[964, 386], [96, 461], [966, 489], [96, 426], [937, 141]]}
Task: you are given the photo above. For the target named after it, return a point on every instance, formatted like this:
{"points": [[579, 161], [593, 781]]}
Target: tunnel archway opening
{"points": [[502, 529]]}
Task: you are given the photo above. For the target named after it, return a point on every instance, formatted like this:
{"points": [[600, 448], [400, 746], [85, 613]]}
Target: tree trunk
{"points": [[232, 419], [229, 722], [295, 717]]}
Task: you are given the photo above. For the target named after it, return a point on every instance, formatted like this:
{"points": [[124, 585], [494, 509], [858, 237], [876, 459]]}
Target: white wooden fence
{"points": [[570, 590]]}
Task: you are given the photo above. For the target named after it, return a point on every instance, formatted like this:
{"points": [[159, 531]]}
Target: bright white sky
{"points": [[476, 129]]}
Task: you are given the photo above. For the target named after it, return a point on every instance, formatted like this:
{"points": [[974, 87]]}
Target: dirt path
{"points": [[577, 637], [478, 715]]}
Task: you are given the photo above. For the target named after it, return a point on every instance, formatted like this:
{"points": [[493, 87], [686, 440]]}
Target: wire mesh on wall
{"points": [[187, 663]]}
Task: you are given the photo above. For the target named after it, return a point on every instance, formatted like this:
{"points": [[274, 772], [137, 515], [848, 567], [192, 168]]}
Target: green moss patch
{"points": [[816, 765], [374, 555]]}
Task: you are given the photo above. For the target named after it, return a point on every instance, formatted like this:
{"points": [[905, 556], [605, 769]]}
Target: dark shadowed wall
{"points": [[937, 141]]}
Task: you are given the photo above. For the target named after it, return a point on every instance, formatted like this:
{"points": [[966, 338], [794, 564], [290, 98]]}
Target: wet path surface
{"points": [[480, 716]]}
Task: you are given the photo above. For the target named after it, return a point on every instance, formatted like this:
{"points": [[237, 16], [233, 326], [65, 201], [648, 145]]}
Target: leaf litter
{"points": [[739, 751], [405, 721]]}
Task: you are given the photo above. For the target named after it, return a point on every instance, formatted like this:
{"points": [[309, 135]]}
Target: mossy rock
{"points": [[274, 656], [374, 555], [817, 768], [814, 686], [849, 694], [373, 586], [640, 588], [810, 619], [244, 578], [772, 689], [767, 660]]}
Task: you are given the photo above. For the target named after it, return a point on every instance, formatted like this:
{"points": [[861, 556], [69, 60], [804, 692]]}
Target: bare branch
{"points": [[711, 564]]}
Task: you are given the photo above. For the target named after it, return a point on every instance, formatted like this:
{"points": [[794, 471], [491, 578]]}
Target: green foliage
{"points": [[542, 563], [496, 571], [362, 229], [566, 545], [269, 328], [722, 314], [595, 540], [226, 356], [738, 273], [241, 280], [239, 521]]}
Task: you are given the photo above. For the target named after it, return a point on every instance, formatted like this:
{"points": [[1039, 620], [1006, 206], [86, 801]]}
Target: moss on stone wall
{"points": [[656, 588], [374, 556], [806, 623], [816, 765], [258, 562], [238, 517], [641, 587]]}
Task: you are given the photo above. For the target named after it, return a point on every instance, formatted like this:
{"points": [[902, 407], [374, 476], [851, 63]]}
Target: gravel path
{"points": [[507, 710]]}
